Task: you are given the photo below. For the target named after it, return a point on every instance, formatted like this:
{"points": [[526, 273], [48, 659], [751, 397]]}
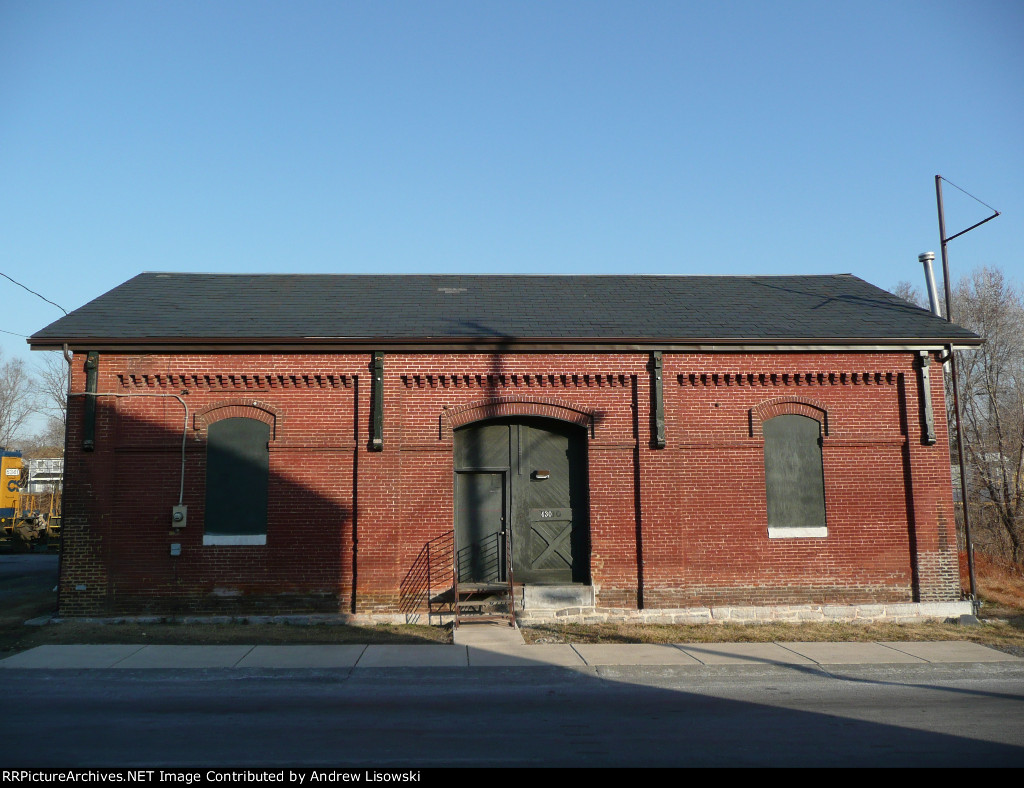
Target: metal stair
{"points": [[487, 600]]}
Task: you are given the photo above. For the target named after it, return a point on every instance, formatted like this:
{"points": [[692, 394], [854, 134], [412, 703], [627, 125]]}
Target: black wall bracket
{"points": [[657, 399], [377, 404], [92, 367], [924, 377]]}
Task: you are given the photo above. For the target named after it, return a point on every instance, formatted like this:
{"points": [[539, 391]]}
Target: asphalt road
{"points": [[38, 569], [725, 716]]}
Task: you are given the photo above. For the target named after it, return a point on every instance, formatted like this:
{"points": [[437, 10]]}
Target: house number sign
{"points": [[550, 514]]}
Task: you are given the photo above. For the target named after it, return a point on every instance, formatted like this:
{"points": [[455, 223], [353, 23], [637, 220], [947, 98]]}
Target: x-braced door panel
{"points": [[543, 497]]}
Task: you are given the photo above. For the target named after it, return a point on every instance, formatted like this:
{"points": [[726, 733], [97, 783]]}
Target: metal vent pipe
{"points": [[926, 258]]}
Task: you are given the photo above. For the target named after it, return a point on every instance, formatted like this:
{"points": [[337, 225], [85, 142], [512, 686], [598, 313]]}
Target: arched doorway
{"points": [[531, 475]]}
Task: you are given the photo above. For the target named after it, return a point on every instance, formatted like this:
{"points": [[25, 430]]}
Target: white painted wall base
{"points": [[890, 612], [906, 612]]}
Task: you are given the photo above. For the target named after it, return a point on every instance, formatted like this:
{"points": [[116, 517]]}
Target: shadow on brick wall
{"points": [[122, 557]]}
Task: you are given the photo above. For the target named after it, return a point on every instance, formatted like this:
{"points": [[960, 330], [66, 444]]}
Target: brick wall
{"points": [[679, 526]]}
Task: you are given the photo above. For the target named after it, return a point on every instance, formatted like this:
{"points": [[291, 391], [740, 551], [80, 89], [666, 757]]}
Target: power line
{"points": [[33, 292], [13, 334]]}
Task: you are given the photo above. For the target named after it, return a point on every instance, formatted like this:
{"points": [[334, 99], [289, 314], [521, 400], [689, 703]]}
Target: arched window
{"points": [[237, 470], [794, 477]]}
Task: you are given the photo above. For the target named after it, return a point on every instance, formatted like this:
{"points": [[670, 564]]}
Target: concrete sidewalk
{"points": [[502, 654]]}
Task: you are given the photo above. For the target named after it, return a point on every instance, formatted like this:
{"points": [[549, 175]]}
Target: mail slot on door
{"points": [[550, 515]]}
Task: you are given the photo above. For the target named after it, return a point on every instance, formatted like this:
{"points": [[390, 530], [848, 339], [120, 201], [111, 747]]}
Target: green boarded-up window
{"points": [[237, 468], [794, 477]]}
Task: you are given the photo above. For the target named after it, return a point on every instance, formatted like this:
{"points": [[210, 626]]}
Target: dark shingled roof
{"points": [[173, 308]]}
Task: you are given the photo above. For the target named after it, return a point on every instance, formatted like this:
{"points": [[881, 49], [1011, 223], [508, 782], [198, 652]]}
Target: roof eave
{"points": [[464, 344]]}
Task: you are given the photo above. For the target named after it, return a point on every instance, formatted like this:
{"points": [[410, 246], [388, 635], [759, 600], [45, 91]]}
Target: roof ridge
{"points": [[495, 276]]}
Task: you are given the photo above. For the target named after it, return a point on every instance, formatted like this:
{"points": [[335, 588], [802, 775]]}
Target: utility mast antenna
{"points": [[943, 240]]}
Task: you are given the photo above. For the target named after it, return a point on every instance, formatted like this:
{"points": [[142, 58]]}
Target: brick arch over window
{"points": [[498, 407], [787, 406], [237, 409]]}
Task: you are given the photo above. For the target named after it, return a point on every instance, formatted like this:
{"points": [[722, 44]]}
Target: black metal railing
{"points": [[426, 586], [511, 584], [480, 561]]}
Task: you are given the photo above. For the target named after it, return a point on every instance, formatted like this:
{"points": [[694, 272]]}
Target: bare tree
{"points": [[17, 399], [908, 292], [47, 442], [51, 402], [992, 408], [52, 374]]}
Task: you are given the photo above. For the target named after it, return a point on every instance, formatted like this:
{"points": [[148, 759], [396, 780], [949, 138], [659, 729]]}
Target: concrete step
{"points": [[552, 597]]}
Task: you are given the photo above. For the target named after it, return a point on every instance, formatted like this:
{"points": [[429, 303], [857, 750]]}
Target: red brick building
{"points": [[683, 447]]}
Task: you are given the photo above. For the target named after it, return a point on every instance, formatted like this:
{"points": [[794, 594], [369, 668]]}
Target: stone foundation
{"points": [[899, 613], [904, 612]]}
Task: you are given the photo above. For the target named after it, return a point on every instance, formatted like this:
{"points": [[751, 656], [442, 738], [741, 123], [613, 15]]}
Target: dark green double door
{"points": [[529, 476]]}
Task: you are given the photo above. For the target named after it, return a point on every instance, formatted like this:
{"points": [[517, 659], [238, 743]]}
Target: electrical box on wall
{"points": [[179, 516]]}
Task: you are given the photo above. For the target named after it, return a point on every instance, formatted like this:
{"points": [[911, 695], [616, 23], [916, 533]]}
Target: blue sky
{"points": [[500, 137]]}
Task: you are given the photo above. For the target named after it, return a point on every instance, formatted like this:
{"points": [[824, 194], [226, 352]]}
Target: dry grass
{"points": [[1000, 586], [1002, 634], [69, 632]]}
